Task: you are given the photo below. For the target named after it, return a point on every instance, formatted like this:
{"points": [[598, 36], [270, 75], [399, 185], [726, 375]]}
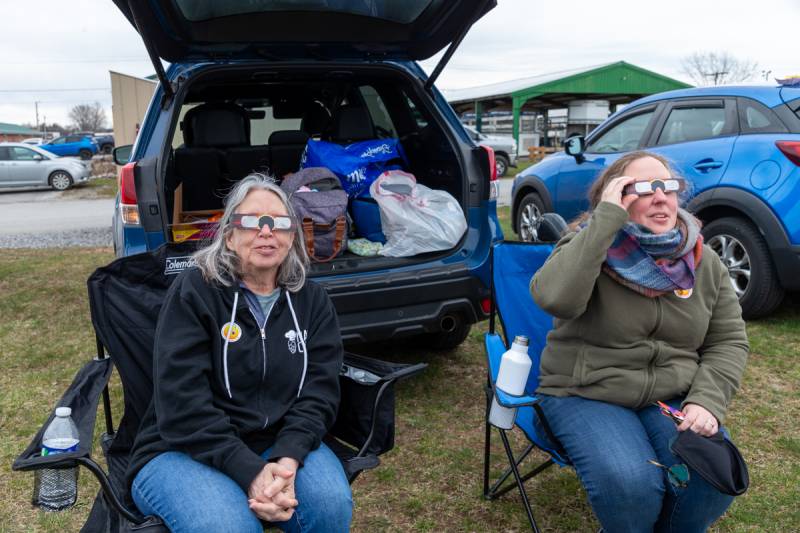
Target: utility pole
{"points": [[37, 114]]}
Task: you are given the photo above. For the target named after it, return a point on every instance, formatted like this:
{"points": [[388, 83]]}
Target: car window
{"points": [[757, 118], [74, 138], [262, 128], [692, 123], [4, 154], [622, 137], [377, 110], [420, 119], [22, 154], [59, 140]]}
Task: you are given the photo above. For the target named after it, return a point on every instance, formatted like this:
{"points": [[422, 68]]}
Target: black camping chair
{"points": [[125, 297], [513, 265]]}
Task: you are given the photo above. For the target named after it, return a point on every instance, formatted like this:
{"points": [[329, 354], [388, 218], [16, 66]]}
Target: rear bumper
{"points": [[390, 309]]}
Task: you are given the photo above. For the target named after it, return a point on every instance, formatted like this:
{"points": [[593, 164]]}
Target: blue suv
{"points": [[740, 149], [82, 146], [249, 83]]}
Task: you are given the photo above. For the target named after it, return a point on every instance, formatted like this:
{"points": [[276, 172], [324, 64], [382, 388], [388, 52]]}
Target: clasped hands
{"points": [[271, 494]]}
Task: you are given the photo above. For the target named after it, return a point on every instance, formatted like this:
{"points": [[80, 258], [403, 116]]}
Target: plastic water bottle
{"points": [[515, 365], [57, 489]]}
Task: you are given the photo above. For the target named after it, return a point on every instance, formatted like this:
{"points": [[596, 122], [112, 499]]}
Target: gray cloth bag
{"points": [[321, 210]]}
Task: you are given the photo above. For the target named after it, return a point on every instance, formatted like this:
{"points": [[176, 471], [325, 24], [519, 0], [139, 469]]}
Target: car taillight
{"points": [[486, 305], [791, 149], [494, 187], [129, 210]]}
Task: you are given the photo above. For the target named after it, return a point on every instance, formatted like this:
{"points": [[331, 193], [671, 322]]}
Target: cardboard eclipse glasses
{"points": [[642, 188], [274, 223]]}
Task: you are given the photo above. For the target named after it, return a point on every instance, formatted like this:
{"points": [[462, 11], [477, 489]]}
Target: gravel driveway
{"points": [[44, 219]]}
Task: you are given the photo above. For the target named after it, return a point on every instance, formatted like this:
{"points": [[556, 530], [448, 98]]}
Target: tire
{"points": [[107, 148], [60, 180], [745, 254], [501, 163], [85, 154], [529, 217], [552, 227]]}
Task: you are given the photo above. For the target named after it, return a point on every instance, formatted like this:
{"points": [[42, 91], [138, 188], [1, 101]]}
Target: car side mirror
{"points": [[122, 154], [575, 147], [38, 157]]}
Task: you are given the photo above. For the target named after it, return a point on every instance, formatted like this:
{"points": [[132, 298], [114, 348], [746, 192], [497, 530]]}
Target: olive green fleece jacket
{"points": [[613, 344]]}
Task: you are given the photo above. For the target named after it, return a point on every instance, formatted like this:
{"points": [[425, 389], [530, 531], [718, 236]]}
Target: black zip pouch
{"points": [[716, 459]]}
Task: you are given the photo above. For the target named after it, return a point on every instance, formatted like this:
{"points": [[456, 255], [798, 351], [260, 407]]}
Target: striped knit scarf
{"points": [[655, 264]]}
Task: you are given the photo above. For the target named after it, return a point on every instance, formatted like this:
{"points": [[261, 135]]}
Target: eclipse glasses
{"points": [[274, 223], [642, 188]]}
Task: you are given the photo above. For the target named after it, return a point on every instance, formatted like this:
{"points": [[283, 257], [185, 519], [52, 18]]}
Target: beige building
{"points": [[130, 97]]}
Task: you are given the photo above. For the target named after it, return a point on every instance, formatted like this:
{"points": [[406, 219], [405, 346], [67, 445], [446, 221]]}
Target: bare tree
{"points": [[717, 68], [88, 117]]}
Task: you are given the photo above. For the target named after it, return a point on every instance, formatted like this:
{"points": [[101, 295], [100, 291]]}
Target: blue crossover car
{"points": [[249, 83], [740, 149]]}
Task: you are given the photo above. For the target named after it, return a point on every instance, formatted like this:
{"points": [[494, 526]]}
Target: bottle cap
{"points": [[63, 411], [522, 340]]}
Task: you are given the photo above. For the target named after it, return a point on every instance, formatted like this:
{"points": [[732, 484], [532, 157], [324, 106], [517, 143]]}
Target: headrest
{"points": [[352, 124], [316, 119], [216, 125], [283, 137]]}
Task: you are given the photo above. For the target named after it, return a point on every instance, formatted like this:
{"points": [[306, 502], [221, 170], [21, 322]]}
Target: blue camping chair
{"points": [[513, 266]]}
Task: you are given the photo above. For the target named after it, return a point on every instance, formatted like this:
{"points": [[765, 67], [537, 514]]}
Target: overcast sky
{"points": [[59, 53]]}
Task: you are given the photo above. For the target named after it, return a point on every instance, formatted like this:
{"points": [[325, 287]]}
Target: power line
{"points": [[78, 61], [54, 90]]}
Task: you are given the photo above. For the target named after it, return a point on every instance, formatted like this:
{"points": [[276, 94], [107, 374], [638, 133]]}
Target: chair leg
{"points": [[520, 483], [508, 471]]}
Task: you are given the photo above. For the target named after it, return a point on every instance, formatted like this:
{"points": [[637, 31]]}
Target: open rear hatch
{"points": [[186, 30]]}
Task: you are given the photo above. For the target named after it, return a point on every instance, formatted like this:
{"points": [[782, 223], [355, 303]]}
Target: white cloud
{"points": [[52, 44]]}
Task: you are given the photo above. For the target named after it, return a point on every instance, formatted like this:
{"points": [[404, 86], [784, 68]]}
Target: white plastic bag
{"points": [[415, 218]]}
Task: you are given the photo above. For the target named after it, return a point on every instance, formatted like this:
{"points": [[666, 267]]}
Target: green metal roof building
{"points": [[617, 83], [13, 132]]}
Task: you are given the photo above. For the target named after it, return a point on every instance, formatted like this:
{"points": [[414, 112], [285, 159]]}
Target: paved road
{"points": [[44, 212]]}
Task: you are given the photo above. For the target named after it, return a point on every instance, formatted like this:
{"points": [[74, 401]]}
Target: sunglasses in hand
{"points": [[643, 188]]}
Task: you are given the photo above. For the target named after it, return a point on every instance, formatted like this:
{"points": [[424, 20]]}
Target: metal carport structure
{"points": [[618, 83]]}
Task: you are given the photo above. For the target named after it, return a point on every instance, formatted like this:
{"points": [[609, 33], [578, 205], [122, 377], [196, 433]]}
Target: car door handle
{"points": [[707, 164]]}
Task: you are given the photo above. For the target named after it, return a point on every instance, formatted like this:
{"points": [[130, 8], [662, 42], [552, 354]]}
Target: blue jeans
{"points": [[190, 496], [609, 446]]}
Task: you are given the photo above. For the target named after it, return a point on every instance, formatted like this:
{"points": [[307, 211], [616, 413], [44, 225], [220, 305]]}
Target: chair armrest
{"points": [[82, 397], [508, 400]]}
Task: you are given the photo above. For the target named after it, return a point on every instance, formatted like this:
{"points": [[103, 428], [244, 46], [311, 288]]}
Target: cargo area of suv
{"points": [[250, 85], [232, 124]]}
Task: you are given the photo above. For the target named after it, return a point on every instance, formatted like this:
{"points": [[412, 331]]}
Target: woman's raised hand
{"points": [[613, 192], [271, 494], [698, 419]]}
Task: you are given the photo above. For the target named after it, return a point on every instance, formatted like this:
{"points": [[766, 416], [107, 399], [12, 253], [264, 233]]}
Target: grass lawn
{"points": [[431, 481]]}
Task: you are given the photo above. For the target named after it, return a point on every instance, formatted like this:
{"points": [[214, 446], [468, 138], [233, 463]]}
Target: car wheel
{"points": [[107, 149], [60, 180], [529, 217], [85, 154], [501, 164], [744, 253]]}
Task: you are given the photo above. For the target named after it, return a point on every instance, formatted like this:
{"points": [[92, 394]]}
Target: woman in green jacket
{"points": [[644, 312]]}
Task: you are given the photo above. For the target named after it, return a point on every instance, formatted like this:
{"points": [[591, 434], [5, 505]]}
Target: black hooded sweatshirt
{"points": [[224, 403]]}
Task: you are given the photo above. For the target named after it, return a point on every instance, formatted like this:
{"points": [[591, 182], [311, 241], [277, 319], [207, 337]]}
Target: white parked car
{"points": [[26, 165], [504, 146]]}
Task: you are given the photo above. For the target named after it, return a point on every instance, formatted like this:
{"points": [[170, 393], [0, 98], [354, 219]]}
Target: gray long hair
{"points": [[221, 265]]}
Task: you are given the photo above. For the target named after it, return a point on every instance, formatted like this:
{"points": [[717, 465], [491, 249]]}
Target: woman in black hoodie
{"points": [[247, 356]]}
